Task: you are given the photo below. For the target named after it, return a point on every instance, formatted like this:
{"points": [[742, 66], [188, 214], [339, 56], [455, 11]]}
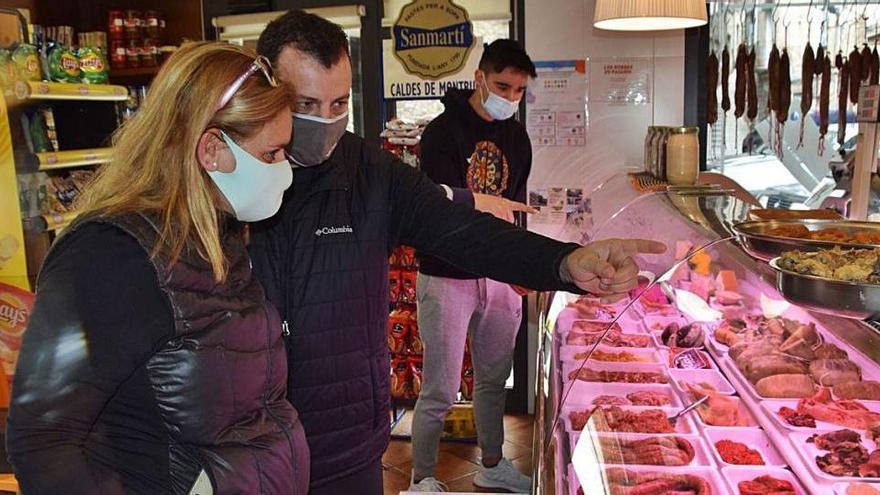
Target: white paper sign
{"points": [[557, 101]]}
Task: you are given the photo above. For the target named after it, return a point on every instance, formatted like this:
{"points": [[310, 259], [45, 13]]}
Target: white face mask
{"points": [[254, 189], [498, 107], [315, 138]]}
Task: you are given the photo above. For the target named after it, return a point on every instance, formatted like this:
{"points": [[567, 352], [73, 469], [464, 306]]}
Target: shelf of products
{"points": [[42, 90], [793, 395], [74, 158]]}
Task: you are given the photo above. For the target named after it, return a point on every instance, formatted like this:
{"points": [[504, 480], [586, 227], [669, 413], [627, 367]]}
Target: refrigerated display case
{"points": [[713, 325]]}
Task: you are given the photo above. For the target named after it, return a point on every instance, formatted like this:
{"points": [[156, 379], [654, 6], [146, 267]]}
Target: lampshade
{"points": [[649, 15]]}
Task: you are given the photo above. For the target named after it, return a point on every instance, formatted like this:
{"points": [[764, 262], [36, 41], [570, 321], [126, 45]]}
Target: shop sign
{"points": [[432, 38], [400, 85]]}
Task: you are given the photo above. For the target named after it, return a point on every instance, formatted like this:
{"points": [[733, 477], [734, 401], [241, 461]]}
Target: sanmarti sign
{"points": [[432, 38]]}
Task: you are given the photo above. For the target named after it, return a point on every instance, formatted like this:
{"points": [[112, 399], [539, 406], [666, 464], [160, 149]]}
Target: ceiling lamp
{"points": [[649, 15]]}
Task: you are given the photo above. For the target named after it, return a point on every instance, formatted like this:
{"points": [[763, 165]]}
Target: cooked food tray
{"points": [[767, 239]]}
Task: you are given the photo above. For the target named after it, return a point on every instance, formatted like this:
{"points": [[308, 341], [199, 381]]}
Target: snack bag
{"points": [[401, 378], [408, 286], [15, 311], [407, 257], [394, 283], [415, 340], [398, 330], [415, 370], [467, 378]]}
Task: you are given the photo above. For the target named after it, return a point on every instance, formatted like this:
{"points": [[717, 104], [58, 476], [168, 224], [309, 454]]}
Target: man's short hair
{"points": [[321, 39], [504, 53]]}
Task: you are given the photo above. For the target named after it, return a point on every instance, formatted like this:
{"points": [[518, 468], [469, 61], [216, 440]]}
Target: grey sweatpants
{"points": [[450, 310]]}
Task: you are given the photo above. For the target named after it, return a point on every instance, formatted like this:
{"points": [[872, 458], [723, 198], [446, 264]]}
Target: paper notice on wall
{"points": [[557, 110], [621, 81], [558, 205]]}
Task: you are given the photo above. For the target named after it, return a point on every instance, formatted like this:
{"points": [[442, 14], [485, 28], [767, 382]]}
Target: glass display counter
{"points": [[789, 399]]}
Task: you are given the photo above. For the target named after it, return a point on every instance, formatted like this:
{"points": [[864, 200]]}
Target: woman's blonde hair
{"points": [[154, 167]]}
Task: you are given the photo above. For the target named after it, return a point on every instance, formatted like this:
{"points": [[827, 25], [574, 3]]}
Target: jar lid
{"points": [[685, 130]]}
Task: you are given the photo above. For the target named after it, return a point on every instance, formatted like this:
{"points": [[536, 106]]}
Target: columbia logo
{"points": [[345, 229]]}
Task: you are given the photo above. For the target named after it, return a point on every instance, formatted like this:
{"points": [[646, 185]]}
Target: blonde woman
{"points": [[153, 362]]}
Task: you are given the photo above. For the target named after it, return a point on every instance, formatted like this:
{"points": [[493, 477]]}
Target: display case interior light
{"points": [[649, 15]]}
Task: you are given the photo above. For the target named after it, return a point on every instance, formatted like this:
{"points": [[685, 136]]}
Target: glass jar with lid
{"points": [[649, 149], [683, 156], [660, 171]]}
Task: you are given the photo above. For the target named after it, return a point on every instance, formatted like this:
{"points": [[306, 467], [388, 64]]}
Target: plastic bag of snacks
{"points": [[401, 378], [394, 285], [15, 311], [398, 330], [467, 378], [408, 286], [415, 370], [415, 340]]}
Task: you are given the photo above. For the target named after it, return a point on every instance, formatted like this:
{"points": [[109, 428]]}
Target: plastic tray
{"points": [[771, 408], [657, 337], [582, 393], [702, 454], [664, 359], [712, 475], [655, 323], [568, 367], [568, 353], [649, 344], [683, 426], [744, 412], [712, 377], [840, 488], [808, 452], [734, 474], [754, 438]]}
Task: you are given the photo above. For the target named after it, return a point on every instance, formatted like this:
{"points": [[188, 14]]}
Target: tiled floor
{"points": [[457, 462]]}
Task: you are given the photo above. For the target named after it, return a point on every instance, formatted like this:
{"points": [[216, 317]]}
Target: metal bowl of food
{"points": [[767, 239], [823, 294]]}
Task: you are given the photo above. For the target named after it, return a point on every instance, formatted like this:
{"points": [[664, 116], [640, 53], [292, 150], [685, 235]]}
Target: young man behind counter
{"points": [[475, 144]]}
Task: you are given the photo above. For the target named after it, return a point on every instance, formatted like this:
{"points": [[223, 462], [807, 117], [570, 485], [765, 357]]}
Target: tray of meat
{"points": [[686, 359], [856, 488], [755, 480], [591, 308], [840, 455], [822, 412], [687, 336], [626, 419], [597, 371], [710, 380], [613, 338], [744, 446], [610, 355], [622, 394], [646, 449], [655, 323], [726, 333], [724, 411], [591, 326], [650, 480]]}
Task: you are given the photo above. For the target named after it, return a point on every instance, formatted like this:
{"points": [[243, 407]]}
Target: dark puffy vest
{"points": [[220, 381]]}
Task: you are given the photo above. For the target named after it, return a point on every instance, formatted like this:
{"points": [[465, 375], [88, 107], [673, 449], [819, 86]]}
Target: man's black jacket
{"points": [[323, 260]]}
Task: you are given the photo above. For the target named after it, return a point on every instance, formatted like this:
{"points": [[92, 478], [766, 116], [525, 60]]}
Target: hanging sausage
{"points": [[808, 68], [739, 91], [854, 62], [784, 99], [712, 86], [824, 98], [752, 89], [867, 65], [725, 80], [843, 82]]}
